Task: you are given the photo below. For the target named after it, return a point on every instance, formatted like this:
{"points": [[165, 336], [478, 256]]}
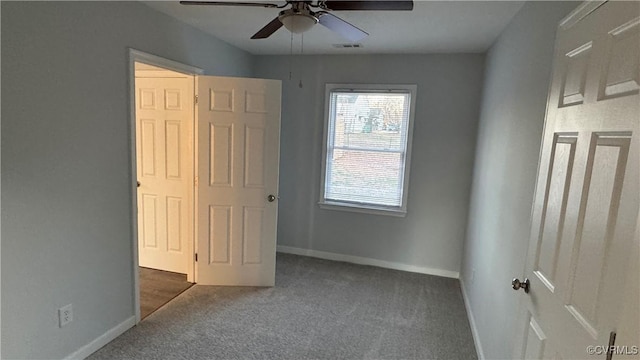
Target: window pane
{"points": [[366, 146], [365, 177], [369, 120]]}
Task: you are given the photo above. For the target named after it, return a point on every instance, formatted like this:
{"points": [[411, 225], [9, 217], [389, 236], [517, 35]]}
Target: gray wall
{"points": [[66, 195], [432, 233], [517, 77]]}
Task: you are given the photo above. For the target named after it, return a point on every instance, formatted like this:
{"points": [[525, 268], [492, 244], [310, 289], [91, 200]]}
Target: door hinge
{"points": [[196, 256], [195, 181], [196, 99]]}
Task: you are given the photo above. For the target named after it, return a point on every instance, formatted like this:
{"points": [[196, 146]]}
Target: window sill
{"points": [[364, 209]]}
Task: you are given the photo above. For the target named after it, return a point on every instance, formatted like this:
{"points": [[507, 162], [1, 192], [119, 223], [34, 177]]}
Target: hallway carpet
{"points": [[318, 309]]}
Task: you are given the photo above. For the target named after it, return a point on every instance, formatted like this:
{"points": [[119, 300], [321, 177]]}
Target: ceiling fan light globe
{"points": [[298, 23]]}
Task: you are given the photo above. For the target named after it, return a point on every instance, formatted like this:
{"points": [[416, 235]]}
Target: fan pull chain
{"points": [[291, 57], [301, 53]]}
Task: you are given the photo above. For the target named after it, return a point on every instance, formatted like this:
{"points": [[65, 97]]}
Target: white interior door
{"points": [[238, 157], [164, 146], [583, 253]]}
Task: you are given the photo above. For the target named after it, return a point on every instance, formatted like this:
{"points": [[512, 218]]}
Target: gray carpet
{"points": [[318, 310]]}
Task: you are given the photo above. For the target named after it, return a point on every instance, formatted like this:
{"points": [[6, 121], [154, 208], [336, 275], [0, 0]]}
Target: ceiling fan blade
{"points": [[269, 29], [368, 5], [340, 26], [264, 5]]}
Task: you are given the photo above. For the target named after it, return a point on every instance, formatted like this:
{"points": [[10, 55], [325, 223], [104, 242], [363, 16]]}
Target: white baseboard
{"points": [[367, 261], [472, 322], [102, 340]]}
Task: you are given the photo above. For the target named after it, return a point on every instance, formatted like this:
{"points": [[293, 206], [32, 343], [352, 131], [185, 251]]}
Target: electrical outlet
{"points": [[65, 315]]}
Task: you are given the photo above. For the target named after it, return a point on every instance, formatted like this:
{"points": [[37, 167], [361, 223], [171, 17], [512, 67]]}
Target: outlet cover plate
{"points": [[65, 315]]}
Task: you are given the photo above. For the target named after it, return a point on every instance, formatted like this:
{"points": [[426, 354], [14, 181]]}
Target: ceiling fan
{"points": [[300, 18]]}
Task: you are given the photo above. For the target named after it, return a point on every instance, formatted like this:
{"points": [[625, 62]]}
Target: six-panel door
{"points": [[583, 252], [238, 157], [164, 138]]}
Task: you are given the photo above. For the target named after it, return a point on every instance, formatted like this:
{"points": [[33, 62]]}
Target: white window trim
{"points": [[368, 208]]}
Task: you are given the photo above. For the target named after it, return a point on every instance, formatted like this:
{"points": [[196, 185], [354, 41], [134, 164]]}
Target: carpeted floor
{"points": [[158, 287], [318, 310]]}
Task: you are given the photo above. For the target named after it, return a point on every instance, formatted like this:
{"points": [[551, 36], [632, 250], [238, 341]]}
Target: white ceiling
{"points": [[432, 27]]}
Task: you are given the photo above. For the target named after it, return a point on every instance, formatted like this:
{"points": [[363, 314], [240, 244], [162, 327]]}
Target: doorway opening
{"points": [[234, 149], [162, 128]]}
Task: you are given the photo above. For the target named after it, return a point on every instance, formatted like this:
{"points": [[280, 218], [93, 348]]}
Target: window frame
{"points": [[328, 204]]}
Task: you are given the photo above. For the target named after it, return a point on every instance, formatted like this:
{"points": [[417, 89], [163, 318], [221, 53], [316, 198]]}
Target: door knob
{"points": [[138, 183], [271, 198], [516, 284]]}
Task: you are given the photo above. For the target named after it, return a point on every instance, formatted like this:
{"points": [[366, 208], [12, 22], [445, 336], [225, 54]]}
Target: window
{"points": [[367, 148]]}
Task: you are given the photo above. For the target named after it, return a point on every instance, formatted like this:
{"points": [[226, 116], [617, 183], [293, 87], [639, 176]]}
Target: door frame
{"points": [[150, 59]]}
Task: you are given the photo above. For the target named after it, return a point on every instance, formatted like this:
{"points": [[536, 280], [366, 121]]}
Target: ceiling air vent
{"points": [[347, 46]]}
